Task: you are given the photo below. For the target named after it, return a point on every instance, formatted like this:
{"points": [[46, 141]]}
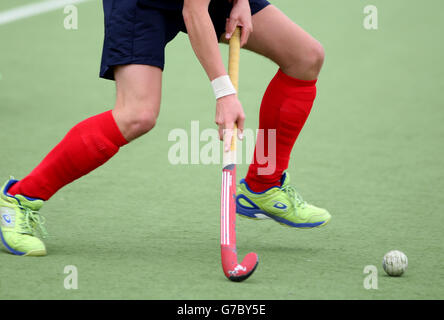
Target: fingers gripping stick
{"points": [[232, 269]]}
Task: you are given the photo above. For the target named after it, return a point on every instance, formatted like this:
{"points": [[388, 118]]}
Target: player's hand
{"points": [[240, 16], [229, 112]]}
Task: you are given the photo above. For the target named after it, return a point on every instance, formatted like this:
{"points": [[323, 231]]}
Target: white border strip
{"points": [[34, 9], [225, 207]]}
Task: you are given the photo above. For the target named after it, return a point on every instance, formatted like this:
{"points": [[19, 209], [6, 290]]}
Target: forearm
{"points": [[203, 39]]}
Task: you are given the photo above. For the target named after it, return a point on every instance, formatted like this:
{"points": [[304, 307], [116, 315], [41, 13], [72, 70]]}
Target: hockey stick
{"points": [[232, 269]]}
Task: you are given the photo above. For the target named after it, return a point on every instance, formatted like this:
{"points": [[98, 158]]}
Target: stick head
{"points": [[244, 270]]}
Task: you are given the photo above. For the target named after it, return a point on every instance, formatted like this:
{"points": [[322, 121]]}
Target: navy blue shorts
{"points": [[137, 34]]}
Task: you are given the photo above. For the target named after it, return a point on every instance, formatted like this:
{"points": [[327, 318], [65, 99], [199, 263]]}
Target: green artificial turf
{"points": [[142, 228]]}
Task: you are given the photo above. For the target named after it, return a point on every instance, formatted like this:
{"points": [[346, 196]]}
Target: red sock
{"points": [[86, 146], [285, 107]]}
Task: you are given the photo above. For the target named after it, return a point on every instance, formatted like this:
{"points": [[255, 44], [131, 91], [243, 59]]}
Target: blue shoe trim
{"points": [[242, 196], [248, 188], [284, 175], [18, 253], [8, 186], [292, 224], [244, 210], [252, 214]]}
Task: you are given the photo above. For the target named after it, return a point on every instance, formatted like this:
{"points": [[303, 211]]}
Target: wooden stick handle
{"points": [[233, 72], [233, 60]]}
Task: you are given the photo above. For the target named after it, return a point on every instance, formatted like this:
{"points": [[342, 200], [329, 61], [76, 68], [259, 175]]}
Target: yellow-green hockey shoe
{"points": [[21, 223], [282, 204]]}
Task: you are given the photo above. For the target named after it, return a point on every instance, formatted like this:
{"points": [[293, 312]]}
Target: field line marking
{"points": [[34, 9]]}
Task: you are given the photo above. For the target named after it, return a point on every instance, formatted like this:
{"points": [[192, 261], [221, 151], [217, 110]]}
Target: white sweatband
{"points": [[222, 87]]}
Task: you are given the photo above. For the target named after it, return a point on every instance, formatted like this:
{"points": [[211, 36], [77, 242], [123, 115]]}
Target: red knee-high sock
{"points": [[86, 146], [285, 107]]}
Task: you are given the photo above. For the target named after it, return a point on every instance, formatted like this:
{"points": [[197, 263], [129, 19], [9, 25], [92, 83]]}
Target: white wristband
{"points": [[222, 87]]}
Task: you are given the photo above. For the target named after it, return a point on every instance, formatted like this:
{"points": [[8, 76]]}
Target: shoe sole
{"points": [[266, 217], [32, 253], [35, 253]]}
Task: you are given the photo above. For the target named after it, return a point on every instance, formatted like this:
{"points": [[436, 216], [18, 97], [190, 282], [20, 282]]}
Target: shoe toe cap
{"points": [[33, 246], [320, 215], [25, 245]]}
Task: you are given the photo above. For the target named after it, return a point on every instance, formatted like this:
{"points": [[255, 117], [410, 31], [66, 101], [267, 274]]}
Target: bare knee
{"points": [[142, 122], [316, 58], [138, 97], [305, 64], [135, 121]]}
